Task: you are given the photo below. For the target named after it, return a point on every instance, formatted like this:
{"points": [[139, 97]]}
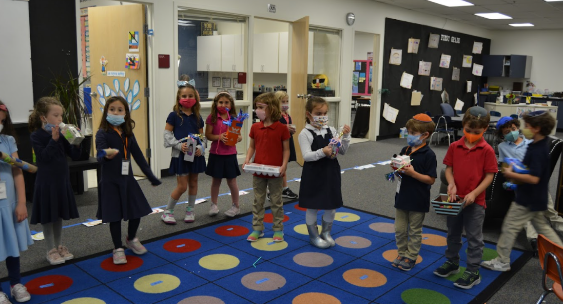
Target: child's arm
{"points": [[171, 141], [45, 152], [250, 151], [305, 146], [101, 143], [471, 197], [72, 151], [21, 209], [210, 135], [142, 162], [285, 156], [517, 177], [451, 190]]}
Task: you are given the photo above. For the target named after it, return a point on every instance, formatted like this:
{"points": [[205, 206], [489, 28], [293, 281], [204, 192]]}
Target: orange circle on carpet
{"points": [[299, 208], [364, 277], [268, 218], [231, 230], [433, 240], [383, 227], [182, 245], [133, 262], [392, 254], [49, 284], [315, 298]]}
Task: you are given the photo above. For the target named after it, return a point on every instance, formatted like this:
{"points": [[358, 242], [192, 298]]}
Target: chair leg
{"points": [[544, 294]]}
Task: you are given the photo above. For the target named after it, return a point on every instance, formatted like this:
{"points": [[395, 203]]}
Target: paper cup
{"points": [[549, 103]]}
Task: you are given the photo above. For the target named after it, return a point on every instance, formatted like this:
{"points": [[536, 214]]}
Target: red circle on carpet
{"points": [[182, 245], [299, 208], [133, 262], [268, 218], [49, 284], [231, 230]]}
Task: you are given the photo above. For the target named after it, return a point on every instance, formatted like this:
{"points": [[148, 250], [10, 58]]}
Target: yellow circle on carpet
{"points": [[346, 217], [314, 298], [391, 255], [219, 262], [84, 301], [302, 229], [433, 240], [157, 283], [267, 244], [364, 277]]}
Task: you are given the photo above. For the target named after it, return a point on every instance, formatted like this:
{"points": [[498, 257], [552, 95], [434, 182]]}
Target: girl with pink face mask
{"points": [[185, 119]]}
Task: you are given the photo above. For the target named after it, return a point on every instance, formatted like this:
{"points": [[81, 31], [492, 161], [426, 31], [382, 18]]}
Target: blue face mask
{"points": [[414, 140], [511, 136], [115, 120], [48, 127]]}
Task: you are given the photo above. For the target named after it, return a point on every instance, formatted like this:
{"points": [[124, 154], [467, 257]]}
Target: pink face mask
{"points": [[261, 114], [187, 102], [222, 110]]}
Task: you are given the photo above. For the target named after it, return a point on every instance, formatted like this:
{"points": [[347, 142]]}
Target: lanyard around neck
{"points": [[416, 149], [124, 142]]}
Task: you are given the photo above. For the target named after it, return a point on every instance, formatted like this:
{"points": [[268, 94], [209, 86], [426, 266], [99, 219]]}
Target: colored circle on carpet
{"points": [[346, 217], [48, 284], [315, 297], [268, 218], [267, 244], [231, 230], [157, 283], [364, 277], [84, 301], [353, 242], [302, 229], [488, 254], [313, 259], [456, 276], [383, 227], [299, 208], [392, 254], [263, 281], [201, 300], [219, 262], [433, 240], [423, 296], [182, 245], [133, 262]]}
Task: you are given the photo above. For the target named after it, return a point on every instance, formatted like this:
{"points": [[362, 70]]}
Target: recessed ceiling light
{"points": [[552, 0], [452, 3], [521, 24], [493, 16]]}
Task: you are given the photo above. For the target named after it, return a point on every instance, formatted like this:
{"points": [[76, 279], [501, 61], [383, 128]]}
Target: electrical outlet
{"points": [[272, 8]]}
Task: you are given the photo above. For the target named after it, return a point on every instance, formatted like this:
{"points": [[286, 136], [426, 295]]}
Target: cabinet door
{"points": [[493, 65], [209, 53], [283, 53], [238, 53], [518, 66], [227, 53], [265, 53], [310, 53]]}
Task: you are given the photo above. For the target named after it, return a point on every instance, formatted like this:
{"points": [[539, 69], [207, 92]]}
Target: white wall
{"points": [[363, 43], [545, 46]]}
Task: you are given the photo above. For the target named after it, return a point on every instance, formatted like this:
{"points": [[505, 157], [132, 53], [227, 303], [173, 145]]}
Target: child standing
{"points": [[222, 162], [321, 175], [119, 194], [269, 139], [531, 196], [471, 165], [53, 197], [14, 231], [185, 119], [413, 194]]}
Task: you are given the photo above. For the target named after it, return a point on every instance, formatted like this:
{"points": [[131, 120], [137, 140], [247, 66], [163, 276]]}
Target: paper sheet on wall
{"points": [[445, 61], [476, 99], [477, 49], [455, 74], [468, 86], [459, 105], [390, 113], [444, 96], [436, 84], [424, 68], [406, 80], [416, 98], [477, 69], [467, 61], [395, 56], [433, 41], [413, 45]]}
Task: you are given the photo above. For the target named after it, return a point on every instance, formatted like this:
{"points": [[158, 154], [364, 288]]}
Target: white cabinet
{"points": [[265, 53], [310, 53], [209, 53], [283, 53], [232, 53]]}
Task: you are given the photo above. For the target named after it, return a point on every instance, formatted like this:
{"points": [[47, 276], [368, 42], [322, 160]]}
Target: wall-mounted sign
{"points": [[208, 28], [449, 38]]}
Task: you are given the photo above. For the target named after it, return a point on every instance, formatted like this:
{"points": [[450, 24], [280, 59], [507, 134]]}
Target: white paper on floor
{"points": [[201, 200], [92, 223], [241, 193], [157, 210], [385, 162], [38, 236], [364, 167]]}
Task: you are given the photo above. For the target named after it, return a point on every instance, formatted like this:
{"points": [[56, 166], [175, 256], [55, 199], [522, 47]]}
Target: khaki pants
{"points": [[275, 186], [409, 225], [516, 218], [552, 216]]}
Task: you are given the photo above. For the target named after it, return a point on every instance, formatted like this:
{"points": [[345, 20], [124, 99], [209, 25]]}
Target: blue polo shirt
{"points": [[414, 195], [510, 149], [184, 124], [535, 197]]}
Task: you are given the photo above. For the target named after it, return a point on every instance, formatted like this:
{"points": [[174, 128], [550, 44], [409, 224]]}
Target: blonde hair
{"points": [[273, 104], [280, 95], [42, 107]]}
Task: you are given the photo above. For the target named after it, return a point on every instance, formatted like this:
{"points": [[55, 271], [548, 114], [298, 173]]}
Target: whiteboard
{"points": [[15, 60]]}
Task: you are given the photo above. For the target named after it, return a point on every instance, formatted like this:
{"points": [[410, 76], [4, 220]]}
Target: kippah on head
{"points": [[478, 111], [536, 113], [503, 121], [422, 117]]}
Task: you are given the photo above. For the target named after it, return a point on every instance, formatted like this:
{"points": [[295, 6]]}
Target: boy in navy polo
{"points": [[531, 196], [413, 194], [471, 165]]}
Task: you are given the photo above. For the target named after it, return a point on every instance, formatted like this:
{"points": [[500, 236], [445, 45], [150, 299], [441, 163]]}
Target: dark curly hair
{"points": [[127, 126], [508, 124], [545, 121]]}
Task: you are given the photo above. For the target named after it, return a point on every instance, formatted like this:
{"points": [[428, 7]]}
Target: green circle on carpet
{"points": [[489, 254], [423, 296]]}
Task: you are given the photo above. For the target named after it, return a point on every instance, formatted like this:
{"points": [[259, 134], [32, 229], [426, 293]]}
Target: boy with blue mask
{"points": [[413, 193]]}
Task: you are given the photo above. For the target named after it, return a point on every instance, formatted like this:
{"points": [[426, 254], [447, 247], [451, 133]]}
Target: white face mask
{"points": [[320, 121]]}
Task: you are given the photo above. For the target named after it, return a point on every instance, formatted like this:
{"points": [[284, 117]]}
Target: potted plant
{"points": [[510, 98]]}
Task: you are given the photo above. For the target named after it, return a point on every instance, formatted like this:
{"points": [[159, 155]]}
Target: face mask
{"points": [[115, 120], [320, 121], [187, 102], [222, 110], [261, 114], [528, 133], [511, 136], [48, 127], [285, 107], [472, 138], [414, 140]]}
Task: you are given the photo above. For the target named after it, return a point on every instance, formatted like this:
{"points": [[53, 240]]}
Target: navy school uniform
{"points": [[414, 195], [183, 125], [119, 196], [292, 147], [53, 197], [535, 196]]}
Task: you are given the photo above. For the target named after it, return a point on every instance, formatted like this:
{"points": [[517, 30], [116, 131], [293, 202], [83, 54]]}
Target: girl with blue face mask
{"points": [[513, 144]]}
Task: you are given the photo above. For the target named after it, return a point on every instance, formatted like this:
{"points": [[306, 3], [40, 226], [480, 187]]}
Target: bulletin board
{"points": [[362, 78], [397, 35]]}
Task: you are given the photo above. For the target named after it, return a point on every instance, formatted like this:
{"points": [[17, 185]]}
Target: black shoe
{"points": [[287, 193], [534, 246], [468, 280], [268, 196], [446, 269]]}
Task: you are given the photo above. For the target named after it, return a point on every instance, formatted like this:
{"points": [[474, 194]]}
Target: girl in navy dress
{"points": [[222, 162], [14, 229], [53, 197], [119, 195], [320, 187], [185, 119]]}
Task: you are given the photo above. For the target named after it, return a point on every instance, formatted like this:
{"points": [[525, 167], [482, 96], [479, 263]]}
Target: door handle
{"points": [[304, 95], [93, 94]]}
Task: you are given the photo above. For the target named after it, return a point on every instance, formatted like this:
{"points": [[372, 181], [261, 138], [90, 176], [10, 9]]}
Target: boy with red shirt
{"points": [[471, 165]]}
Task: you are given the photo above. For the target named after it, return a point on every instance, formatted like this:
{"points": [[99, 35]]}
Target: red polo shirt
{"points": [[469, 166], [268, 143]]}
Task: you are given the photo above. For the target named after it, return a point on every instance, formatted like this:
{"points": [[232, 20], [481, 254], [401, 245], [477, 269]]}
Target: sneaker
{"points": [[278, 236], [535, 248], [168, 218], [496, 265], [135, 246], [255, 235], [64, 253], [19, 293], [406, 264], [468, 280], [190, 217], [447, 269], [396, 262], [4, 298], [213, 210], [54, 257], [268, 196], [233, 211], [287, 193], [119, 256]]}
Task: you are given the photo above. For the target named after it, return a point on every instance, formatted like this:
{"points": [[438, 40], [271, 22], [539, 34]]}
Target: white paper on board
{"points": [[466, 61], [445, 61], [406, 80], [416, 98], [436, 84], [459, 104], [390, 113], [477, 48], [413, 46], [455, 74], [395, 57], [468, 86], [424, 68], [433, 41], [477, 69]]}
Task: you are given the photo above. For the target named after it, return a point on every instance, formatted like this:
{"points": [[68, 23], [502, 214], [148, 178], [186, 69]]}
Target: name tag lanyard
{"points": [[124, 143]]}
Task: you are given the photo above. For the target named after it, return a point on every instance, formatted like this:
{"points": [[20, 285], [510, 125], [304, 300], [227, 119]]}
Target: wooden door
{"points": [[298, 77], [115, 32]]}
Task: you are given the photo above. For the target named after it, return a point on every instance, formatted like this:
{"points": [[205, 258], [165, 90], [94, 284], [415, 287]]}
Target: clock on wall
{"points": [[350, 18]]}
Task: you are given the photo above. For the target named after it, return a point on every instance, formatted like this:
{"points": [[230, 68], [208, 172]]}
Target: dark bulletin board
{"points": [[397, 34]]}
